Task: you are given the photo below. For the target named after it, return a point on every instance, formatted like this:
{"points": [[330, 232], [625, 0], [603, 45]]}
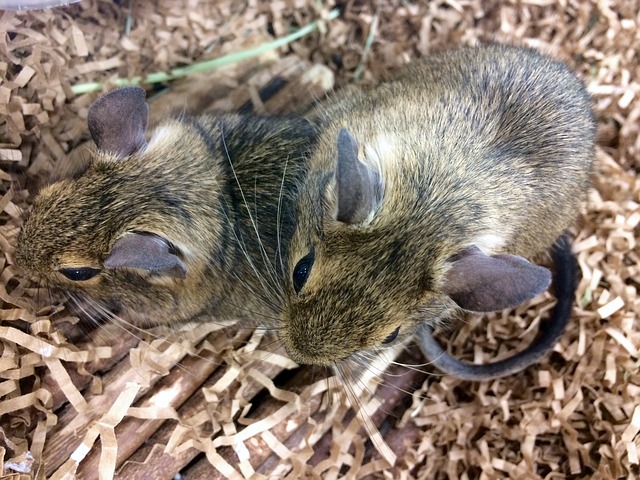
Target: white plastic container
{"points": [[33, 4]]}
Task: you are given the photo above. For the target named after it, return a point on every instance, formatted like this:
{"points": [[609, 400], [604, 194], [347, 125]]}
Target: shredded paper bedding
{"points": [[78, 400]]}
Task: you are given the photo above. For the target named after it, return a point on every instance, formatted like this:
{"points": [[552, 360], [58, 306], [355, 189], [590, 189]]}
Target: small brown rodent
{"points": [[429, 195], [195, 222]]}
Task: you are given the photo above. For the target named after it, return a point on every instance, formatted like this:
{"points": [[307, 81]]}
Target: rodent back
{"points": [[477, 152], [504, 128]]}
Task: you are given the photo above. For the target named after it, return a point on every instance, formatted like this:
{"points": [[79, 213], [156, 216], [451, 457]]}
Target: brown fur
{"points": [[471, 145], [200, 184]]}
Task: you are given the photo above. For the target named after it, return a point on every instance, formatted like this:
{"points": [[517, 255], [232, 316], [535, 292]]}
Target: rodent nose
{"points": [[310, 352]]}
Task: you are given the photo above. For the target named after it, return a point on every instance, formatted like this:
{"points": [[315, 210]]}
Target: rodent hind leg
{"points": [[564, 280]]}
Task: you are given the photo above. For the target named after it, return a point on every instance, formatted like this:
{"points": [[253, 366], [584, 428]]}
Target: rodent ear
{"points": [[118, 120], [147, 252], [484, 283], [359, 187]]}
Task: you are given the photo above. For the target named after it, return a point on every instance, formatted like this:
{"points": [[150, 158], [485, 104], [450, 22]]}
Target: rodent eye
{"points": [[391, 337], [79, 274], [302, 271]]}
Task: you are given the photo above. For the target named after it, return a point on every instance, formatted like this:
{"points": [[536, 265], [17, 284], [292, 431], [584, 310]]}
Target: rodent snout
{"points": [[313, 342], [311, 353]]}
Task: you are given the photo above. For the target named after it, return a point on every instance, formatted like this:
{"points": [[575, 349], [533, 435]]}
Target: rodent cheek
{"points": [[163, 281]]}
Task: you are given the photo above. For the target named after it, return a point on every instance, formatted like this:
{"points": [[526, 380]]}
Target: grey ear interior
{"points": [[359, 187], [147, 252], [484, 283], [118, 120]]}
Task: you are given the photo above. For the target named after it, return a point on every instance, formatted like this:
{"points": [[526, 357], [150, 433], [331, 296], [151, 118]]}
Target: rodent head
{"points": [[117, 231], [366, 272]]}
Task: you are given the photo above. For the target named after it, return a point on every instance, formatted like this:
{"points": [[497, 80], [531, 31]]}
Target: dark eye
{"points": [[79, 274], [391, 337], [302, 271]]}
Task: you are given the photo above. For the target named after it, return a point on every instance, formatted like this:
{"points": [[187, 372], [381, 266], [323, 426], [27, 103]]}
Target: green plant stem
{"points": [[209, 64]]}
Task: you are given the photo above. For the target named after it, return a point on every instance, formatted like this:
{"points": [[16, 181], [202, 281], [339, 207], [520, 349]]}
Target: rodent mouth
{"points": [[301, 357], [318, 354], [113, 309]]}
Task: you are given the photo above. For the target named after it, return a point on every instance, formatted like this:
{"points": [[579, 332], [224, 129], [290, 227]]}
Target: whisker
{"points": [[360, 409], [125, 326], [278, 220], [416, 367], [82, 304], [262, 249], [264, 296], [273, 343]]}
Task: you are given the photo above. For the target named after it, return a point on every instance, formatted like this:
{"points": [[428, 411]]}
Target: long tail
{"points": [[565, 281]]}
